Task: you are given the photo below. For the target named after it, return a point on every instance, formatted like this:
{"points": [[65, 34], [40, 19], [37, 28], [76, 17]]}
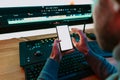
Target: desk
{"points": [[9, 59]]}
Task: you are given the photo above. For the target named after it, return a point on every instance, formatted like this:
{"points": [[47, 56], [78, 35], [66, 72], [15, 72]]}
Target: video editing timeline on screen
{"points": [[23, 18], [54, 13], [33, 55]]}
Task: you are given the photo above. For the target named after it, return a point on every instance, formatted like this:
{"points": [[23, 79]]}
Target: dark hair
{"points": [[118, 1]]}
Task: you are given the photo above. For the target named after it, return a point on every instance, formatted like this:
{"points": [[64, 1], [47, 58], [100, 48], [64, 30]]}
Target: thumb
{"points": [[56, 43], [74, 42]]}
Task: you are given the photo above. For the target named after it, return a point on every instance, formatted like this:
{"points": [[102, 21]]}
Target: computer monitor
{"points": [[25, 15]]}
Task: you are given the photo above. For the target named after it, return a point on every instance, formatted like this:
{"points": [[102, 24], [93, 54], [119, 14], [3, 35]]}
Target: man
{"points": [[107, 27]]}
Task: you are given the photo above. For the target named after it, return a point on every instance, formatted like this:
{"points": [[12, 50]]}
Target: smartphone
{"points": [[64, 35]]}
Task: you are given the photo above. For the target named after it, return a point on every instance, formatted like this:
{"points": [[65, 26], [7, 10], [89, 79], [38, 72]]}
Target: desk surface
{"points": [[9, 59]]}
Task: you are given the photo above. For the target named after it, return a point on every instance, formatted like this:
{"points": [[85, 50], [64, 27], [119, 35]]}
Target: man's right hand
{"points": [[81, 45]]}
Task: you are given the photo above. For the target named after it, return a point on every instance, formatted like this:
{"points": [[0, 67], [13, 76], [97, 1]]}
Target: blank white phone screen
{"points": [[64, 36]]}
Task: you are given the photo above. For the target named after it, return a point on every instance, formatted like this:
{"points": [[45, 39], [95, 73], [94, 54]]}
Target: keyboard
{"points": [[73, 66]]}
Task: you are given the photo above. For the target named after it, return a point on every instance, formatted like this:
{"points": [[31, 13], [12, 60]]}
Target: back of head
{"points": [[107, 23]]}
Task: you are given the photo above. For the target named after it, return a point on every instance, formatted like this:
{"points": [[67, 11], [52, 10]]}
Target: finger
{"points": [[56, 43], [74, 42], [79, 32], [82, 35], [74, 30]]}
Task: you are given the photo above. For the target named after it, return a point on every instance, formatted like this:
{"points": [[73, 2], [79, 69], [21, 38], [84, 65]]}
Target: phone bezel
{"points": [[59, 39]]}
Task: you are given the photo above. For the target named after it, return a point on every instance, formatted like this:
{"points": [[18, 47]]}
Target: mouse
{"points": [[91, 36]]}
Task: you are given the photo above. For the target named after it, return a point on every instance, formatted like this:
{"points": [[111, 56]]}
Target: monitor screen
{"points": [[26, 3], [22, 15]]}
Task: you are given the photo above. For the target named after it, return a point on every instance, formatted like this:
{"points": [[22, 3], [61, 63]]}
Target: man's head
{"points": [[107, 23]]}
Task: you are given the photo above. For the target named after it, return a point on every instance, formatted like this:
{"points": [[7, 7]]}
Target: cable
{"points": [[84, 28]]}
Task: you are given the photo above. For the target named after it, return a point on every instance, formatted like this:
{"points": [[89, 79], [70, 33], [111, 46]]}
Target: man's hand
{"points": [[56, 53], [81, 45]]}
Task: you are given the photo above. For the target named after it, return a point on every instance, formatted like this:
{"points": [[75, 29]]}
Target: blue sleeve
{"points": [[101, 67], [49, 71]]}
